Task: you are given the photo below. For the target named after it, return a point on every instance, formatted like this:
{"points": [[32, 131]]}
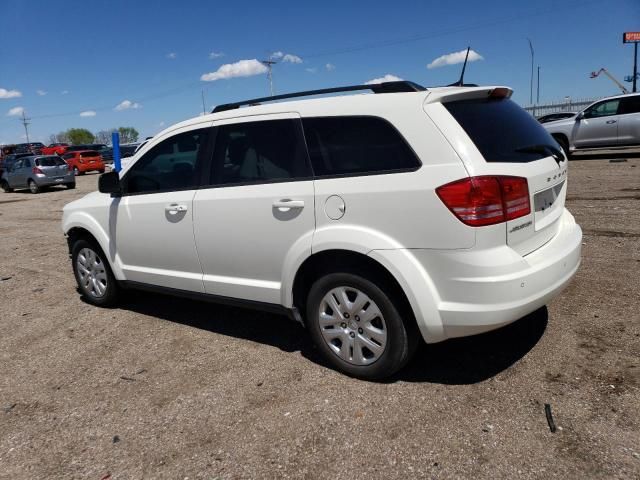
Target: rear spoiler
{"points": [[450, 94]]}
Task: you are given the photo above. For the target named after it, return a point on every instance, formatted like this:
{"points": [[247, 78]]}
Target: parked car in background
{"points": [[377, 221], [613, 122], [34, 148], [552, 117], [36, 173], [55, 149], [84, 161], [128, 149], [107, 154]]}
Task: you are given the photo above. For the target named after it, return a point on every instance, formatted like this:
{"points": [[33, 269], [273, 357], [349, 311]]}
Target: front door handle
{"points": [[287, 203], [174, 208], [611, 121]]}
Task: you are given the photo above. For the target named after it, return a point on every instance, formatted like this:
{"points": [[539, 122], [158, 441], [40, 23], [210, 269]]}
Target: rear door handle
{"points": [[286, 204], [611, 121], [174, 208]]}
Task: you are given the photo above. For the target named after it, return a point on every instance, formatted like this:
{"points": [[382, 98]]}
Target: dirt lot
{"points": [[171, 388]]}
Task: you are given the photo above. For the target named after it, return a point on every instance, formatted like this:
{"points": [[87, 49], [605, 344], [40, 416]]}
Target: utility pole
{"points": [[538, 87], [25, 122], [531, 84], [269, 64], [204, 109], [635, 66]]}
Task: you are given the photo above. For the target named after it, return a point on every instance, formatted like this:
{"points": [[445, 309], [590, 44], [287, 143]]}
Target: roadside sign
{"points": [[631, 37]]}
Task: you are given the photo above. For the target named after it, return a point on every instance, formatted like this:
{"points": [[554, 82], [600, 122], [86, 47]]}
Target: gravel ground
{"points": [[171, 388]]}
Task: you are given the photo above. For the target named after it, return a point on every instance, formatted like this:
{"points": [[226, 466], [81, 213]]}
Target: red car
{"points": [[84, 161], [55, 149]]}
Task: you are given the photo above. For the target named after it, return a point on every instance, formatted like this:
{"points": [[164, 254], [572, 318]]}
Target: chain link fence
{"points": [[565, 105]]}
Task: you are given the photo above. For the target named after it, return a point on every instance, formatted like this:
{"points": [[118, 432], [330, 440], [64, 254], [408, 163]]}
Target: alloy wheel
{"points": [[352, 325], [92, 273]]}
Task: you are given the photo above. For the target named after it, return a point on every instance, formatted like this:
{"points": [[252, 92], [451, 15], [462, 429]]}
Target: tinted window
{"points": [[68, 156], [603, 109], [90, 153], [170, 165], [501, 129], [630, 105], [50, 161], [256, 152]]}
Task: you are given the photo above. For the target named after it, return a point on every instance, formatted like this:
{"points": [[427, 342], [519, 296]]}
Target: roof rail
{"points": [[384, 87]]}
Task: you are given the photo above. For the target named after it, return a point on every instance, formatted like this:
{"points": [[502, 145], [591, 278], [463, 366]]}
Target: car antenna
{"points": [[460, 83]]}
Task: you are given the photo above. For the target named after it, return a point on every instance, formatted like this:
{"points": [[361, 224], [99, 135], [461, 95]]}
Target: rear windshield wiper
{"points": [[555, 152]]}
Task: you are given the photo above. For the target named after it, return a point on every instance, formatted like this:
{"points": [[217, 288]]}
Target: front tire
{"points": [[33, 187], [93, 273], [5, 186], [70, 186], [357, 328]]}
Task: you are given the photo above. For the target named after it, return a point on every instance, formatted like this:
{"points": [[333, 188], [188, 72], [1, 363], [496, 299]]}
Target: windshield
{"points": [[502, 130], [50, 162]]}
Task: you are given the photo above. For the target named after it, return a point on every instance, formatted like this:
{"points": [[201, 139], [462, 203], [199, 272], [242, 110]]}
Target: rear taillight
{"points": [[486, 200], [37, 171]]}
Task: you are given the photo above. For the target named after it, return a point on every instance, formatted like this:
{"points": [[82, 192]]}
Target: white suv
{"points": [[375, 219]]}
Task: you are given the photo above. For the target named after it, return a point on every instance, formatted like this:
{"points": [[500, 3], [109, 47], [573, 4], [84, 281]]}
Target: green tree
{"points": [[128, 134], [79, 136]]}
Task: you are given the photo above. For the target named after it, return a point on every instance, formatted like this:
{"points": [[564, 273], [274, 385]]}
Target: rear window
{"points": [[89, 154], [501, 129], [50, 162], [356, 146]]}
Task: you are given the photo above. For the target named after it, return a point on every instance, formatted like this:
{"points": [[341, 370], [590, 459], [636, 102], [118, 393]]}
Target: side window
{"points": [[258, 152], [170, 165], [603, 109], [630, 105], [356, 145]]}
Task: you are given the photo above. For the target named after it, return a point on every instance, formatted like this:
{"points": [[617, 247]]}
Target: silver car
{"points": [[609, 123], [37, 172]]}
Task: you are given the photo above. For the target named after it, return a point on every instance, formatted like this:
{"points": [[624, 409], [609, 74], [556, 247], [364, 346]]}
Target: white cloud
{"points": [[214, 55], [9, 93], [387, 78], [311, 70], [243, 68], [289, 57], [455, 57], [172, 55], [88, 113], [64, 92], [330, 67], [15, 112], [42, 93], [126, 105], [277, 55]]}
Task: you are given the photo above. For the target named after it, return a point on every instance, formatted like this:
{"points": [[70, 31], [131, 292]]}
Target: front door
{"points": [[154, 221], [599, 126], [258, 212]]}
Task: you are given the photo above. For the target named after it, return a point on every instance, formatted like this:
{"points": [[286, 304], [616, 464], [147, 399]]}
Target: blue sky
{"points": [[60, 58]]}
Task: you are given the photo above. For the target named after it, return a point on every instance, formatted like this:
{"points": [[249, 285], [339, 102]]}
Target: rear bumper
{"points": [[474, 291], [49, 181]]}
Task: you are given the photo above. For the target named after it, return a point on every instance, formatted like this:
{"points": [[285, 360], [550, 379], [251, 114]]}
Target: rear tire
{"points": [[33, 187], [5, 186], [70, 186], [564, 143], [101, 171], [93, 273], [363, 335]]}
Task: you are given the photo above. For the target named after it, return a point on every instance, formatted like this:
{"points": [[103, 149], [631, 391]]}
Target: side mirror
{"points": [[110, 183], [580, 116]]}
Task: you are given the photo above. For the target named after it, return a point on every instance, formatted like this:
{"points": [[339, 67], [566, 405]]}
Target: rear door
{"points": [[599, 125], [511, 142], [258, 210], [629, 121]]}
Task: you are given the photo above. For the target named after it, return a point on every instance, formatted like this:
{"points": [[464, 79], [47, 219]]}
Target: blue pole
{"points": [[115, 142]]}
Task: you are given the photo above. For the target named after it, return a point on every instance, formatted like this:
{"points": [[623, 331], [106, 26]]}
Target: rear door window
{"points": [[630, 105], [259, 152], [349, 145], [502, 130]]}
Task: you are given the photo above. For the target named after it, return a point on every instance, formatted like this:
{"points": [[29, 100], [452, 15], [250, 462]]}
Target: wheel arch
{"points": [[341, 260]]}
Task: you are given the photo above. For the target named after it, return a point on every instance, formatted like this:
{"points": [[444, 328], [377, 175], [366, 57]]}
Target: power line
{"points": [[358, 48]]}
